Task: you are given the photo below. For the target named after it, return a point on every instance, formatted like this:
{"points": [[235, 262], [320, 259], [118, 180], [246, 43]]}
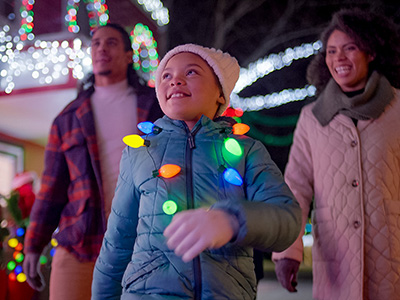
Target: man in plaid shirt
{"points": [[82, 164]]}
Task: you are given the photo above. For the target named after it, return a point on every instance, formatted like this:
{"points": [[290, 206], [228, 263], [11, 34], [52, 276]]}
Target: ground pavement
{"points": [[270, 289]]}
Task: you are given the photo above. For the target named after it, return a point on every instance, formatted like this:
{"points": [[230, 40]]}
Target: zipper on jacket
{"points": [[190, 204]]}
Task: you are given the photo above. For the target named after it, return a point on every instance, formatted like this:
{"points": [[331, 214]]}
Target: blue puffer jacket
{"points": [[134, 249]]}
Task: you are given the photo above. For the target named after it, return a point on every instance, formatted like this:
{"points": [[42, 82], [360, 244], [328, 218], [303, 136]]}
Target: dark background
{"points": [[253, 29], [247, 29]]}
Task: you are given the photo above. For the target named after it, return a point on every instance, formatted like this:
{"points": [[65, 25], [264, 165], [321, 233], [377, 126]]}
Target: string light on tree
{"points": [[70, 17], [97, 11], [26, 12], [145, 55], [158, 12]]}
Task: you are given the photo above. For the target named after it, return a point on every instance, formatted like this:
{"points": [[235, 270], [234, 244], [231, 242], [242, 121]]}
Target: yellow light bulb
{"points": [[21, 277], [134, 141], [54, 242], [13, 242]]}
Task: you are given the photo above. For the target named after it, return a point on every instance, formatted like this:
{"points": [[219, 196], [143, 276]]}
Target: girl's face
{"points": [[347, 64], [189, 89]]}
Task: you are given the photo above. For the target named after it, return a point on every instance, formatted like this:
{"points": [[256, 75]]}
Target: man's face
{"points": [[109, 58]]}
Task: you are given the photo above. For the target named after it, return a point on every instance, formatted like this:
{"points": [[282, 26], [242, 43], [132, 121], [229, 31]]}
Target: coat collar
{"points": [[205, 124], [368, 105]]}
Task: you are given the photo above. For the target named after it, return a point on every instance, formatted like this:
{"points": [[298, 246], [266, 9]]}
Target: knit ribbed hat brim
{"points": [[224, 66]]}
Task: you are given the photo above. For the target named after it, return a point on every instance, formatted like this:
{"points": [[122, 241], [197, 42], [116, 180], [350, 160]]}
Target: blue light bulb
{"points": [[146, 127], [18, 269], [233, 176], [20, 231]]}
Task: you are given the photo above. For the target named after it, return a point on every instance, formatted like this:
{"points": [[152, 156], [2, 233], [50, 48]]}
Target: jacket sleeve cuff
{"points": [[235, 210]]}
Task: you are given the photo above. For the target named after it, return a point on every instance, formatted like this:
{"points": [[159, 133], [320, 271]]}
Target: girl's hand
{"points": [[193, 231]]}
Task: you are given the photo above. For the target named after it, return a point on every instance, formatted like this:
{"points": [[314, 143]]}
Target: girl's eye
{"points": [[191, 72], [331, 51], [166, 76]]}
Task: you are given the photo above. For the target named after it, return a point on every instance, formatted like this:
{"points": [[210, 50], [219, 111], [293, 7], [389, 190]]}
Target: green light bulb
{"points": [[11, 265], [19, 257], [169, 207], [43, 260], [233, 146]]}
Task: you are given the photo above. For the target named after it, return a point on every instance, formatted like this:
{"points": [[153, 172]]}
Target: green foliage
{"points": [[3, 233], [13, 209]]}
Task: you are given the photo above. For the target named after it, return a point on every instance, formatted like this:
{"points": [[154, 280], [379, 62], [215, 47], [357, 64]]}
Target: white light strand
{"points": [[158, 12], [272, 100], [273, 62], [265, 66], [45, 62]]}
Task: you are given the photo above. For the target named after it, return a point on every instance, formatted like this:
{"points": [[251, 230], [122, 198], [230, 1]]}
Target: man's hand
{"points": [[193, 231], [286, 271], [31, 268]]}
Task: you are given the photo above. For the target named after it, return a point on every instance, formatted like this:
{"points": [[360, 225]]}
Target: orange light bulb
{"points": [[240, 128], [169, 170], [19, 247]]}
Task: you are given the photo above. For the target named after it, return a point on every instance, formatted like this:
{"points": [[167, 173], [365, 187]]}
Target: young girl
{"points": [[204, 249]]}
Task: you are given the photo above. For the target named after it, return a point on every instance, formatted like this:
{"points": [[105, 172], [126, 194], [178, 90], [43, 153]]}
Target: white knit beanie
{"points": [[224, 66]]}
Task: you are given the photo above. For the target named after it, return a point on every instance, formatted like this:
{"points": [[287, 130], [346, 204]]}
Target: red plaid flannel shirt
{"points": [[71, 194]]}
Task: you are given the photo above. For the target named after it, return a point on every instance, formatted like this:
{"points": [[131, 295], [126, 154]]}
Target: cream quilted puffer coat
{"points": [[353, 173]]}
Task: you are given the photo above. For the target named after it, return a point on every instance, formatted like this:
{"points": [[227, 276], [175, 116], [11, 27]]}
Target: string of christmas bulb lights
{"points": [[231, 175]]}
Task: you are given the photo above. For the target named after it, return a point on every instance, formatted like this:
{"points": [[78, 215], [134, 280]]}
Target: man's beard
{"points": [[104, 73]]}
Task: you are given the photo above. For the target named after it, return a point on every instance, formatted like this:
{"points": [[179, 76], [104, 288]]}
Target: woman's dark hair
{"points": [[374, 34], [133, 78]]}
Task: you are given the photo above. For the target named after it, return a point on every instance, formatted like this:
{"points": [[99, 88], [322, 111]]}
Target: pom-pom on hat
{"points": [[224, 66]]}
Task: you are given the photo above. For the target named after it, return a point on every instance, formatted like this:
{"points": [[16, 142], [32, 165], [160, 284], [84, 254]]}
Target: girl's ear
{"points": [[221, 99]]}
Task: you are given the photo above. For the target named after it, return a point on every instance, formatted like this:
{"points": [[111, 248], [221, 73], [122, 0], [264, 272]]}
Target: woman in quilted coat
{"points": [[191, 234], [346, 157]]}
